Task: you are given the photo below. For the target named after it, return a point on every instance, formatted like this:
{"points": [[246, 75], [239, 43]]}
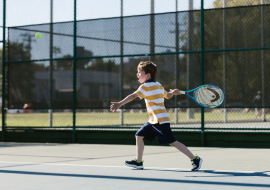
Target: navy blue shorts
{"points": [[162, 131]]}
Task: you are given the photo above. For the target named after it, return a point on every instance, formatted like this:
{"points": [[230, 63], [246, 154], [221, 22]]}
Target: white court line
{"points": [[173, 169]]}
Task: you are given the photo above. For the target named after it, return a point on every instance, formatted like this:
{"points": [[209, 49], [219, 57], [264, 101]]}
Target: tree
{"points": [[101, 65], [68, 63], [1, 51], [21, 78], [237, 3], [243, 30]]}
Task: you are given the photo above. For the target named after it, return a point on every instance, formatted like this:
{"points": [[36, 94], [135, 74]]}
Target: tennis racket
{"points": [[208, 95]]}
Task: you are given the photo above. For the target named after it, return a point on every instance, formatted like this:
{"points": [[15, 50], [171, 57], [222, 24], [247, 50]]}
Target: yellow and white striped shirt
{"points": [[153, 94]]}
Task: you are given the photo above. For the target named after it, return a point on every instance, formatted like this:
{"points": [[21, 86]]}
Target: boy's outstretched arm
{"points": [[116, 105], [172, 92]]}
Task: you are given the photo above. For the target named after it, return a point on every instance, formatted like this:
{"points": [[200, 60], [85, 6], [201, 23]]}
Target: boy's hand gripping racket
{"points": [[208, 95]]}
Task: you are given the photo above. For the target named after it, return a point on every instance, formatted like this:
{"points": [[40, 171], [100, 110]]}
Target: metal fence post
{"points": [[152, 28], [190, 58], [4, 72], [224, 59], [51, 66], [262, 57], [121, 63], [202, 71], [74, 73], [176, 59]]}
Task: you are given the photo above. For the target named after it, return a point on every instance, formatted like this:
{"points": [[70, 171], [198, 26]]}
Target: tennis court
{"points": [[82, 166], [62, 64]]}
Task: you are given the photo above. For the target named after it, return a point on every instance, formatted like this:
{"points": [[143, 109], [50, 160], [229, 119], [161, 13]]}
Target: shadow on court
{"points": [[8, 144], [257, 174]]}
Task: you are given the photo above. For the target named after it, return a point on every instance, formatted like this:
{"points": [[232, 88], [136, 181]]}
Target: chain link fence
{"points": [[106, 40]]}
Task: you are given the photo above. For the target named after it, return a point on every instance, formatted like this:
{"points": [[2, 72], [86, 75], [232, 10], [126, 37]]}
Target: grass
{"points": [[109, 118]]}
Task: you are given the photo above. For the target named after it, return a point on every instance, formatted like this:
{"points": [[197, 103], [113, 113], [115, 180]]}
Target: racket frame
{"points": [[195, 89]]}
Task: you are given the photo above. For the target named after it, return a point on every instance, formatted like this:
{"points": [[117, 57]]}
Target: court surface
{"points": [[93, 166]]}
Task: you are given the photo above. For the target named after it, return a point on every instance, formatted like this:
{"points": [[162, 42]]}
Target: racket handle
{"points": [[182, 92]]}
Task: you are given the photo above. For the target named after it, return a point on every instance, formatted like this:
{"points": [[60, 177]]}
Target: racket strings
{"points": [[209, 96]]}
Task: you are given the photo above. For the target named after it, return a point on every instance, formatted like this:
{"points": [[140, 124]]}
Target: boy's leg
{"points": [[144, 132], [195, 160], [139, 148], [183, 149], [137, 163]]}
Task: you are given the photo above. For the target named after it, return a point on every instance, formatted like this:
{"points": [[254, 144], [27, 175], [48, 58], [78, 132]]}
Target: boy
{"points": [[159, 121]]}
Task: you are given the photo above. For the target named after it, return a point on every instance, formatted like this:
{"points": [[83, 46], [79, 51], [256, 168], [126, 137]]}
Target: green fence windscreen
{"points": [[242, 74]]}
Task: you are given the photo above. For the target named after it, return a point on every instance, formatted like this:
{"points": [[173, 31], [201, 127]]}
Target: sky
{"points": [[27, 12]]}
